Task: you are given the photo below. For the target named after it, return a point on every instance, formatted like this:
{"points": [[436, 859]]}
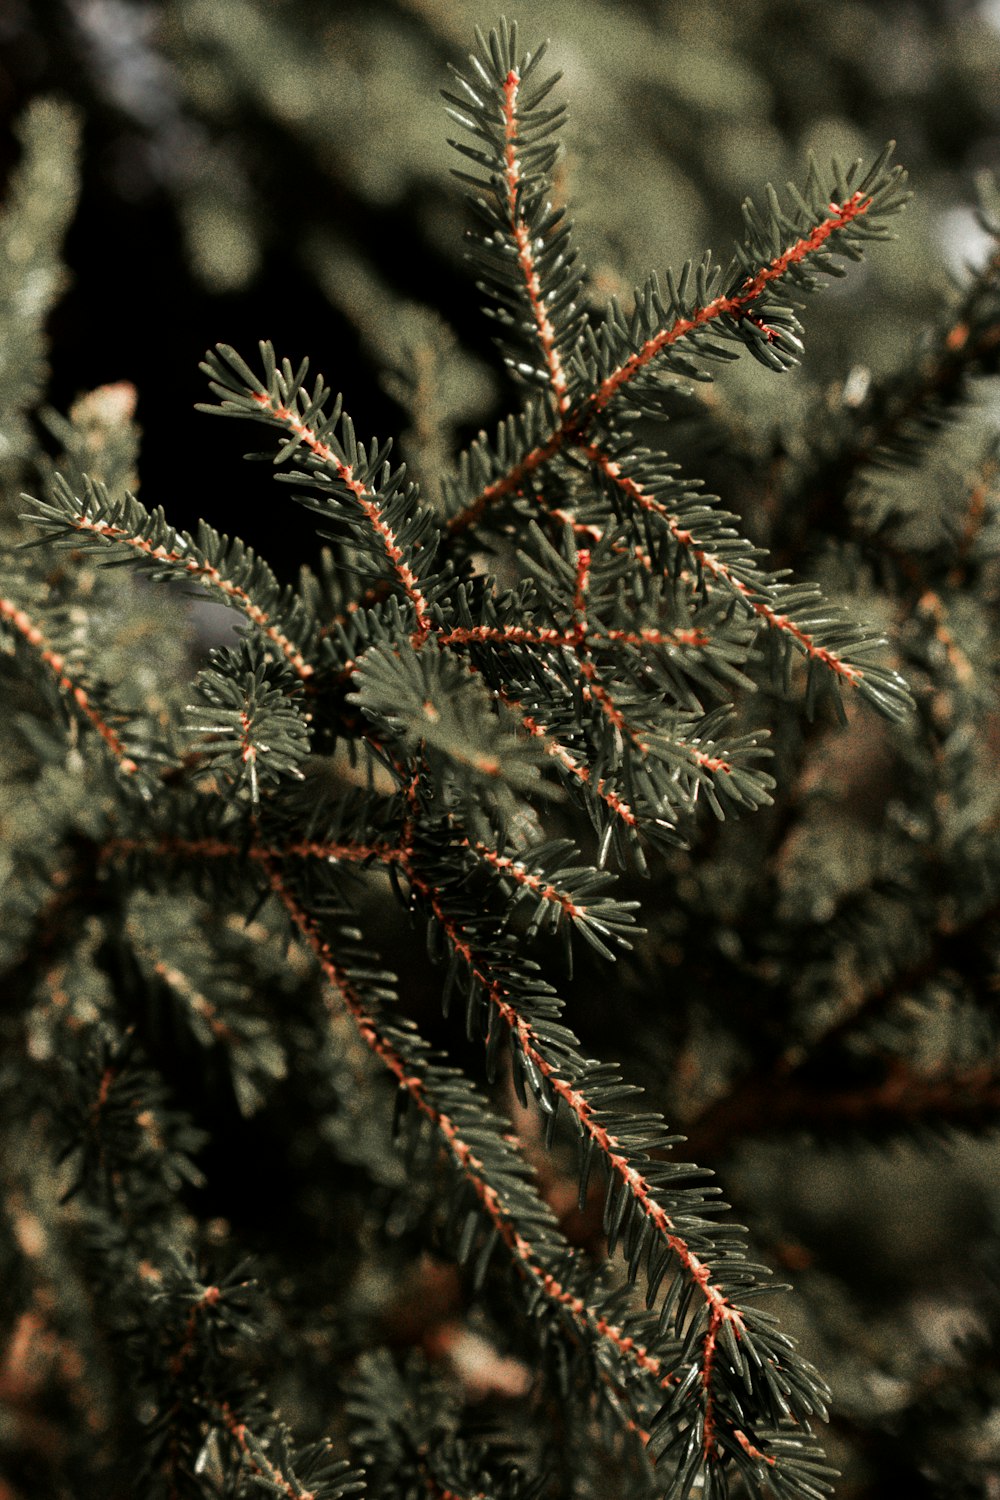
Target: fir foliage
{"points": [[501, 701]]}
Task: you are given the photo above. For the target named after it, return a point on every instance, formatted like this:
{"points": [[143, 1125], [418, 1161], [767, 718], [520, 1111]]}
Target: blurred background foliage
{"points": [[279, 169]]}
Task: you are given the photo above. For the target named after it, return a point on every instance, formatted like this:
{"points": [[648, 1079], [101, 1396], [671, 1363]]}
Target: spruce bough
{"points": [[493, 749]]}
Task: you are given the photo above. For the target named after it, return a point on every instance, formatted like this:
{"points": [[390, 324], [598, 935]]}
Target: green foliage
{"points": [[478, 706], [40, 203], [255, 733]]}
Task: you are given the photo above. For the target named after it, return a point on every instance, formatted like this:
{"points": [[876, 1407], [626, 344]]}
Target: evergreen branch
{"points": [[523, 239], [513, 635], [602, 794], [71, 686], [389, 521], [490, 472], [540, 875], [313, 1473], [255, 1457], [528, 1259], [822, 228], [625, 348], [404, 1425], [214, 1006], [194, 850], [645, 1207], [132, 1149], [592, 690], [502, 1188], [425, 698], [966, 1098], [509, 637], [729, 313], [678, 760], [257, 733], [535, 283], [662, 758], [187, 1373], [723, 768], [203, 1010], [754, 1095], [548, 635], [603, 797], [244, 581], [700, 529], [816, 629], [896, 416], [655, 742], [437, 698]]}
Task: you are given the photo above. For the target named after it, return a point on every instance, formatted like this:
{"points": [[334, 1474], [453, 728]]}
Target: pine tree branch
{"points": [[378, 695], [965, 1098], [738, 306], [529, 1260], [548, 635], [391, 523], [734, 314], [748, 1105], [404, 1425], [198, 849], [508, 482], [623, 816], [897, 416], [656, 637], [635, 599], [548, 1060], [563, 892], [543, 1262], [70, 686], [666, 764], [368, 502], [513, 181], [255, 1458], [228, 568], [253, 732], [526, 255], [326, 1478], [763, 597]]}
